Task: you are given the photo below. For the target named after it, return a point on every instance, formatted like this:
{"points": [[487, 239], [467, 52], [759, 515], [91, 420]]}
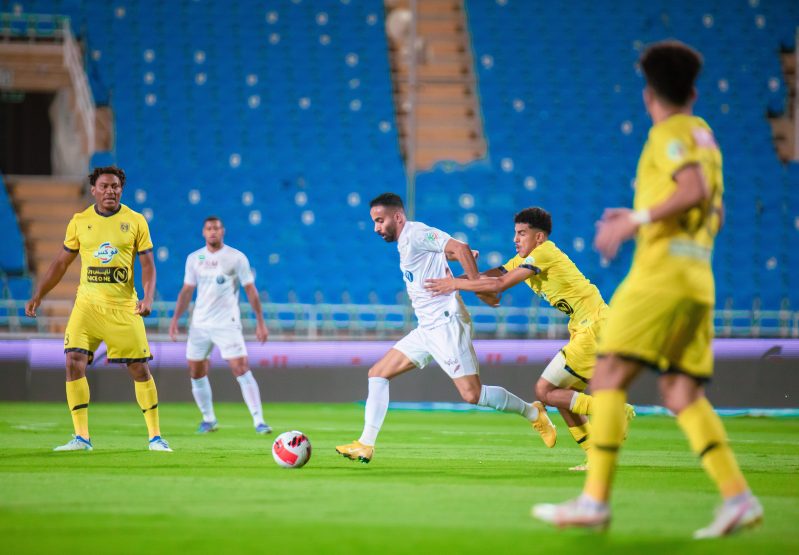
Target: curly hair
{"points": [[112, 170], [671, 68], [536, 218]]}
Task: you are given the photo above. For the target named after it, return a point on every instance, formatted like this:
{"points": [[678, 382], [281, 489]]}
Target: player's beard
{"points": [[390, 234]]}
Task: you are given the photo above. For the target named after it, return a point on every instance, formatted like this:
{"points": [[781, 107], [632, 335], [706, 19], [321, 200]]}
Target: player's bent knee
{"points": [[543, 389], [139, 371], [471, 396]]}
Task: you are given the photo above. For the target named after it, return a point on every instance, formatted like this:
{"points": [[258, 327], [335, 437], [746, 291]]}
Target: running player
{"points": [[553, 276], [107, 235], [444, 333], [217, 271], [661, 316]]}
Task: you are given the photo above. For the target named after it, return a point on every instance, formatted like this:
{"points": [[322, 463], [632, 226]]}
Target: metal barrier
{"points": [[380, 322]]}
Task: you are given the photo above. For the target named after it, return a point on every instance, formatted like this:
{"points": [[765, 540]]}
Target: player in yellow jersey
{"points": [[108, 236], [661, 316], [547, 270]]}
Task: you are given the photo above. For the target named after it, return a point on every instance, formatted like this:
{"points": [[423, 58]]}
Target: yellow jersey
{"points": [[108, 246], [674, 254], [559, 282]]}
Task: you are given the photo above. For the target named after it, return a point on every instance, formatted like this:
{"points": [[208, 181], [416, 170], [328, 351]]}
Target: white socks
{"points": [[376, 408], [503, 400], [252, 396], [201, 390]]}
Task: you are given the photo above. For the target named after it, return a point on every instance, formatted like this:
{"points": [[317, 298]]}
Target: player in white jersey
{"points": [[217, 271], [444, 333]]}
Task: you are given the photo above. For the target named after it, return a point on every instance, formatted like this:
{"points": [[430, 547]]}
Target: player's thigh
{"points": [[230, 341], [689, 349], [199, 344], [559, 374], [84, 330], [392, 364], [126, 337], [451, 346]]}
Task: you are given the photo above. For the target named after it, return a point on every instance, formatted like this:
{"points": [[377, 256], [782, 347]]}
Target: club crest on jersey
{"points": [[106, 252], [220, 279], [431, 236], [124, 228]]}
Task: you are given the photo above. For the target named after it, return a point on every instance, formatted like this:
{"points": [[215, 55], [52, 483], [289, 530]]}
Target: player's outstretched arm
{"points": [[51, 278], [261, 331], [620, 224], [145, 306], [181, 305], [484, 284]]}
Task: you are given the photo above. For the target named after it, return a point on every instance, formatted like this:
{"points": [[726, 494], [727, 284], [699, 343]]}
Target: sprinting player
{"points": [[444, 333], [553, 276], [217, 271], [661, 316], [107, 235]]}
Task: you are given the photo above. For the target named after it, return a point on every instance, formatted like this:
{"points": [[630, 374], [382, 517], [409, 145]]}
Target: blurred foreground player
{"points": [[661, 316], [107, 235], [444, 333], [217, 271]]}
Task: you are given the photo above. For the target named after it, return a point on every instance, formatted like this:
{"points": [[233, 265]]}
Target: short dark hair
{"points": [[212, 218], [389, 200], [671, 68], [535, 217], [113, 170]]}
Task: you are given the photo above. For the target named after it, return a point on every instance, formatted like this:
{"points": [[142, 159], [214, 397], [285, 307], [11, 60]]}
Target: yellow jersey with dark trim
{"points": [[674, 254], [108, 246], [559, 282]]}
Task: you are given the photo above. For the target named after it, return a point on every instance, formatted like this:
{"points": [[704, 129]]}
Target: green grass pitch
{"points": [[440, 482]]}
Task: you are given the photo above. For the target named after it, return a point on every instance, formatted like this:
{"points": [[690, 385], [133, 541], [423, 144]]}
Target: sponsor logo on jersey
{"points": [[106, 252], [408, 276], [704, 138], [112, 274], [124, 228], [201, 257]]}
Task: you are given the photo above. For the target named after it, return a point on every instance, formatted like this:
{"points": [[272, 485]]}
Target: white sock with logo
{"points": [[375, 412], [201, 390], [252, 396], [503, 400]]}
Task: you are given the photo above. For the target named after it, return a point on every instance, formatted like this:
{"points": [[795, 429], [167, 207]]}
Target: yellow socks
{"points": [[705, 433], [78, 401], [608, 424], [580, 435], [582, 405], [147, 397]]}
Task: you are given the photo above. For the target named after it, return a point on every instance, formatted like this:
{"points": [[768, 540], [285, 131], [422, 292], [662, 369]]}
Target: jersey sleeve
{"points": [[673, 150], [430, 239], [244, 272], [190, 276], [71, 242], [511, 264], [143, 241]]}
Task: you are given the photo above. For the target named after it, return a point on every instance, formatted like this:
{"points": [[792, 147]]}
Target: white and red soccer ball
{"points": [[291, 449]]}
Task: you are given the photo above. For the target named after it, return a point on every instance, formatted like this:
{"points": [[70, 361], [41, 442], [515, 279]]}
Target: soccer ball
{"points": [[291, 449]]}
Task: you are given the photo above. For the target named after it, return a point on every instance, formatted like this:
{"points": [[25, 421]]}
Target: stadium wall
{"points": [[749, 373]]}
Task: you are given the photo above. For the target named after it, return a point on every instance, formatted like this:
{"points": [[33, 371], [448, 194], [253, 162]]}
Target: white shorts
{"points": [[558, 374], [229, 339], [450, 345]]}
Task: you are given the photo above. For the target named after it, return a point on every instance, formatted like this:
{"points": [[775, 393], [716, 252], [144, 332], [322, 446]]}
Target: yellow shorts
{"points": [[580, 351], [121, 329], [668, 332]]}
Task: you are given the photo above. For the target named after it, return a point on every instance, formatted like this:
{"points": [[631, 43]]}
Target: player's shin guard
{"points": [[581, 435], [78, 401], [147, 397], [581, 404], [608, 433], [707, 438]]}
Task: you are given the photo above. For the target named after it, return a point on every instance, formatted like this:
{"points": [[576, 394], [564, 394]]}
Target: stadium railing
{"points": [[382, 322]]}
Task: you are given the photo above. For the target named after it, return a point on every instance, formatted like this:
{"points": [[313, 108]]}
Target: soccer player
{"points": [[551, 274], [661, 316], [217, 271], [444, 333], [107, 235]]}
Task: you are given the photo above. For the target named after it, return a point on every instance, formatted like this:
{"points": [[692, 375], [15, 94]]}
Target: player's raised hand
{"points": [[174, 329], [144, 308], [31, 306], [441, 286], [616, 227], [261, 332]]}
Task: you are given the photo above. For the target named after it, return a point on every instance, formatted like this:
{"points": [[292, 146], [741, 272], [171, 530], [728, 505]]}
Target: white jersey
{"points": [[218, 277], [422, 257]]}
